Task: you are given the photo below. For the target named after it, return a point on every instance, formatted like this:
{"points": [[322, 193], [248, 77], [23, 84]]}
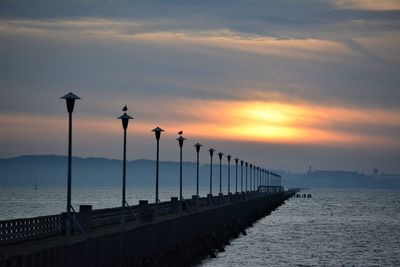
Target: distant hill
{"points": [[340, 179], [51, 170]]}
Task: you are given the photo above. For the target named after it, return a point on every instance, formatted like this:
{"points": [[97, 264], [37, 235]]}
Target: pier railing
{"points": [[12, 231], [17, 230]]}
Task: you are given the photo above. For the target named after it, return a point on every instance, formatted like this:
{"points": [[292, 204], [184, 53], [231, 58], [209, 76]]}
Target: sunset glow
{"points": [[241, 120], [315, 79]]}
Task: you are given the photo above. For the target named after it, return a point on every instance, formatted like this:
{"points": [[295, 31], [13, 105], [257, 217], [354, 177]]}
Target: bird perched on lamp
{"points": [[125, 108], [180, 132]]}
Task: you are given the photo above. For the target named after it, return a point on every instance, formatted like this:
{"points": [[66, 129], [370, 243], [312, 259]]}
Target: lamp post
{"points": [[198, 145], [247, 164], [254, 177], [125, 120], [229, 173], [241, 176], [211, 150], [251, 167], [220, 154], [263, 179], [258, 178], [180, 140], [70, 101], [157, 132], [236, 161]]}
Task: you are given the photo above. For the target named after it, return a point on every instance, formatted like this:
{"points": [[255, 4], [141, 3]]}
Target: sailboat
{"points": [[35, 185]]}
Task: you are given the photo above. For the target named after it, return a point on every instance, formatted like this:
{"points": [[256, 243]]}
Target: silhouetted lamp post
{"points": [[264, 177], [220, 154], [236, 161], [251, 189], [229, 173], [254, 177], [180, 140], [261, 177], [247, 164], [211, 150], [70, 101], [157, 132], [198, 145], [241, 176], [258, 178], [125, 120]]}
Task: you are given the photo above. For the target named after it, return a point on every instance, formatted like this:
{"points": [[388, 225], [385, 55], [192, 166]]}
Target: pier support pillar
{"points": [[175, 208], [221, 198], [85, 217], [210, 200], [195, 201], [230, 197], [145, 213]]}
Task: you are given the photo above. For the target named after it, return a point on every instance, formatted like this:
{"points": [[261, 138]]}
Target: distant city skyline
{"points": [[280, 84]]}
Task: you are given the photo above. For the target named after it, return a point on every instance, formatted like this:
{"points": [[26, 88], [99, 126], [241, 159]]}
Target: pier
{"points": [[172, 233], [179, 232]]}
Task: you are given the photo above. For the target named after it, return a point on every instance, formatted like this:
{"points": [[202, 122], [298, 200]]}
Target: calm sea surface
{"points": [[333, 228]]}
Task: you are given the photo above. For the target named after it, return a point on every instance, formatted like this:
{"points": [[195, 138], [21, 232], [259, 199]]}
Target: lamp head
{"points": [[180, 140], [198, 145], [125, 119], [70, 100], [157, 131]]}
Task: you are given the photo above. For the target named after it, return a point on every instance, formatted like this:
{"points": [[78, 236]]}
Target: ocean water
{"points": [[25, 202], [333, 228], [336, 227]]}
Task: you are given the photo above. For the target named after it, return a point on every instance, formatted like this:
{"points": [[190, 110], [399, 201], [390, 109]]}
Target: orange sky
{"points": [[279, 122]]}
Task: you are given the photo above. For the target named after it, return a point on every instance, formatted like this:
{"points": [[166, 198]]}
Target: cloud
{"points": [[321, 73], [369, 4]]}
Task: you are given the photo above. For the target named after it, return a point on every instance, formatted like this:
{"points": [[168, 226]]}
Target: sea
{"points": [[336, 227]]}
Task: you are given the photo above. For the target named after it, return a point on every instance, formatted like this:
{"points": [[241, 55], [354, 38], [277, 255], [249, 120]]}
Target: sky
{"points": [[281, 84]]}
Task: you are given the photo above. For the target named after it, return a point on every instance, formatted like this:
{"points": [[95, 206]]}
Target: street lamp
{"points": [[180, 140], [247, 164], [258, 178], [157, 132], [211, 150], [70, 101], [263, 177], [251, 167], [241, 176], [236, 161], [254, 177], [125, 120], [229, 173], [198, 145], [220, 154]]}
